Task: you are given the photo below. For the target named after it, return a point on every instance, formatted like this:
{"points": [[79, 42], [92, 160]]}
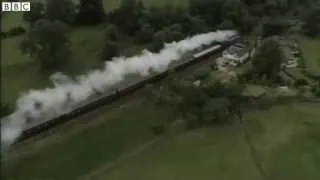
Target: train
{"points": [[104, 99]]}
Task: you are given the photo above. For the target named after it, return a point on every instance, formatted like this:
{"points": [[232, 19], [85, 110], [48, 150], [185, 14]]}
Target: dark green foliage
{"points": [[211, 102], [91, 12], [47, 42], [145, 34], [111, 50], [160, 17], [244, 15], [15, 31], [5, 110], [316, 89], [216, 110], [37, 12], [312, 21], [197, 25], [209, 10], [112, 33], [158, 130], [127, 16], [227, 24], [166, 35], [268, 59], [300, 82], [62, 10], [169, 34], [274, 27]]}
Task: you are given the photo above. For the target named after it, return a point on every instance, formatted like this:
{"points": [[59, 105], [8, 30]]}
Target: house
{"points": [[236, 54]]}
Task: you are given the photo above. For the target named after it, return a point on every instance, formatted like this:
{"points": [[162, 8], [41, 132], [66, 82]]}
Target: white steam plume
{"points": [[44, 104]]}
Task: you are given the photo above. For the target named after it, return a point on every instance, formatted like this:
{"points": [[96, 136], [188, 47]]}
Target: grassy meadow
{"points": [[285, 140], [310, 49]]}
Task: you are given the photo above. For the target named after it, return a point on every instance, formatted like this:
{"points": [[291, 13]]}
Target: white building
{"points": [[236, 54]]}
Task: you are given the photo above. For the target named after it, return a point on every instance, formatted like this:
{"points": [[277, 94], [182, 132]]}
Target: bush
{"points": [[5, 110], [274, 27], [111, 50], [16, 31], [300, 82], [201, 75], [3, 35], [158, 129]]}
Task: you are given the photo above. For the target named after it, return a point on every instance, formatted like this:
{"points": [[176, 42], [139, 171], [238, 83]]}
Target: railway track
{"points": [[108, 103]]}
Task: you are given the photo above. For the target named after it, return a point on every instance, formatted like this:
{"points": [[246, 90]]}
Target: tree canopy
{"points": [[62, 10], [47, 42], [268, 59], [312, 22]]}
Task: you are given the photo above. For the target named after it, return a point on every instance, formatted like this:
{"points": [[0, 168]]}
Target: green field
{"points": [[74, 156], [310, 49], [286, 141], [206, 154]]}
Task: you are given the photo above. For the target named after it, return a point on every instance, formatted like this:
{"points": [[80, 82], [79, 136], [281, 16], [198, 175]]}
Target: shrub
{"points": [[158, 129], [3, 35], [16, 31], [5, 110], [300, 82]]}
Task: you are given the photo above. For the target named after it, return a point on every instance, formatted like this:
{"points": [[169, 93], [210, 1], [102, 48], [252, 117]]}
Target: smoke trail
{"points": [[41, 105]]}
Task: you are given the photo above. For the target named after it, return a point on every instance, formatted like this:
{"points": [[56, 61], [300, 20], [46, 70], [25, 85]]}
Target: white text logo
{"points": [[15, 6]]}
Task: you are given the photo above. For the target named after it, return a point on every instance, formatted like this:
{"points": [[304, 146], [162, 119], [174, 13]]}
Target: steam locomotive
{"points": [[100, 100]]}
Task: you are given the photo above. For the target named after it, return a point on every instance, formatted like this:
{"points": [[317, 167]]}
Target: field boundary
{"points": [[252, 151]]}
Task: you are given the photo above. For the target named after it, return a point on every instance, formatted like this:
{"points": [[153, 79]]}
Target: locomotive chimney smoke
{"points": [[51, 101]]}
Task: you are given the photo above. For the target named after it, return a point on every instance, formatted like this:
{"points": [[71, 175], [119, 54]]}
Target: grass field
{"points": [[213, 153], [285, 138], [288, 141], [310, 49], [75, 156]]}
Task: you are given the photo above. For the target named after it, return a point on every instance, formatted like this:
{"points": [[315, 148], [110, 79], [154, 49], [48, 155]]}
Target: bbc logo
{"points": [[16, 6]]}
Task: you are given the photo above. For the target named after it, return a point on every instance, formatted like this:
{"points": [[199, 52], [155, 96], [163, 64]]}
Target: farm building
{"points": [[235, 55]]}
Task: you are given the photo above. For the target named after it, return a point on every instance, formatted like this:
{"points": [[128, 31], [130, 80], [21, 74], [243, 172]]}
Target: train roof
{"points": [[215, 47]]}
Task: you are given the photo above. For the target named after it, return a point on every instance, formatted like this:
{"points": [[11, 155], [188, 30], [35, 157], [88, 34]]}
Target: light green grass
{"points": [[77, 155], [206, 154], [11, 19], [287, 139], [10, 53], [311, 52]]}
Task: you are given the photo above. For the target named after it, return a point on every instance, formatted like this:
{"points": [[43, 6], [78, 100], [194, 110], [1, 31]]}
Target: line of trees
{"points": [[153, 26]]}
